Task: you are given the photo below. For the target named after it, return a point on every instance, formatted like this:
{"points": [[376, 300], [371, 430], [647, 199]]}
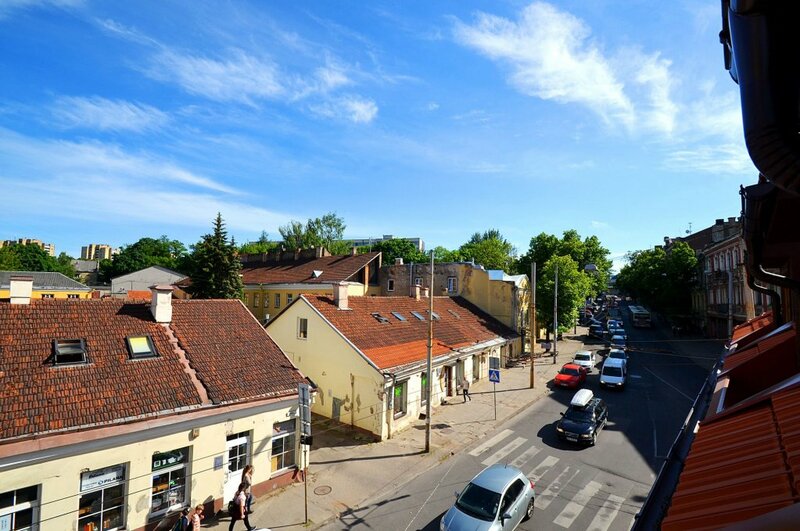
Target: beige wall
{"points": [[56, 294], [59, 477], [269, 291]]}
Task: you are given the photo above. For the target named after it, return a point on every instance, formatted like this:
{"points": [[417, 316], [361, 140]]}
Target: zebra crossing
{"points": [[562, 490]]}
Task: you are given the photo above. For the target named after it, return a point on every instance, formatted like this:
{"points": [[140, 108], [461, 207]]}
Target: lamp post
{"points": [[555, 318]]}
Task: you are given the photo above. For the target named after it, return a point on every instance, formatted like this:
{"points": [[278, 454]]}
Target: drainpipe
{"points": [[352, 401], [774, 297], [389, 403], [730, 303]]}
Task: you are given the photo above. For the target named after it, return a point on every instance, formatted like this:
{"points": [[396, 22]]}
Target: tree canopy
{"points": [[144, 253], [326, 231], [399, 248], [216, 266], [489, 249], [261, 246], [573, 286], [31, 257]]}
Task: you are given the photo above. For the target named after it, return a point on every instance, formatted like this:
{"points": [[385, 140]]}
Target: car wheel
{"points": [[528, 511]]}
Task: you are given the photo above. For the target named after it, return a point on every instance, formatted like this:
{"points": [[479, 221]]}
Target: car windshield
{"points": [[570, 371], [616, 354], [578, 415], [479, 502], [612, 371], [582, 357]]}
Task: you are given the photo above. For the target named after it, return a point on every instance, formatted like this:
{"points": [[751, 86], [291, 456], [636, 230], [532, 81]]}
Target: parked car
{"points": [[498, 498], [614, 373], [596, 331], [586, 416], [586, 359], [618, 342], [618, 353], [571, 376]]}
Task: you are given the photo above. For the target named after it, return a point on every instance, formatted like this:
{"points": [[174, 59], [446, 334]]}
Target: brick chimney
{"points": [[415, 292], [161, 303], [21, 289], [340, 295]]}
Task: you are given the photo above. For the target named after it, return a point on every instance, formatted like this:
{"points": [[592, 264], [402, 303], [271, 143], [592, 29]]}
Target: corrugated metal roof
{"points": [[44, 280], [766, 342]]}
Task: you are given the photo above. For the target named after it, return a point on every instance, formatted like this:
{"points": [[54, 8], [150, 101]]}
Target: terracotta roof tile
{"points": [[393, 343], [752, 330], [216, 335], [334, 269]]}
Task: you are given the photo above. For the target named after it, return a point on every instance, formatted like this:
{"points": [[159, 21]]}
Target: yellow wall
{"points": [[57, 294], [59, 478], [354, 289]]}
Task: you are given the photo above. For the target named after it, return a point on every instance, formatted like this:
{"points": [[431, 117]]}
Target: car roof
{"points": [[613, 362], [617, 336], [584, 352], [496, 477], [616, 350], [571, 366]]}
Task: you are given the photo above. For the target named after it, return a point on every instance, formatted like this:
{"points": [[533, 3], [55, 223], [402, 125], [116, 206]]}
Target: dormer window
{"points": [[69, 352], [140, 347]]}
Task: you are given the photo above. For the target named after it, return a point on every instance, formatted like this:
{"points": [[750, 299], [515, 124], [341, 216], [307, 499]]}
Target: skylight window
{"points": [[454, 314], [140, 347], [418, 316], [69, 352], [380, 318], [399, 316], [434, 315]]}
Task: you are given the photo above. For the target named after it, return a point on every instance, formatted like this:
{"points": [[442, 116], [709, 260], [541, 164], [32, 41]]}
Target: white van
{"points": [[614, 373]]}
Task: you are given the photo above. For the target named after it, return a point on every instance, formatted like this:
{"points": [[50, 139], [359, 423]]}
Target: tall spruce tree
{"points": [[216, 266]]}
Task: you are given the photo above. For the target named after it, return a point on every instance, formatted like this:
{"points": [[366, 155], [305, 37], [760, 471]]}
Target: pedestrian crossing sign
{"points": [[494, 375]]}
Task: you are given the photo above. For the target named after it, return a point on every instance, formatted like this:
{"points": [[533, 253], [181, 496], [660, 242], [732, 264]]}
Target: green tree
{"points": [[490, 250], [399, 248], [216, 271], [443, 254], [145, 253], [326, 231], [261, 246], [9, 261], [573, 285], [31, 257]]}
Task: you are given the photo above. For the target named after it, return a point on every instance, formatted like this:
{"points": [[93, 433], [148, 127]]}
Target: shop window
{"points": [[102, 503], [19, 508], [169, 481], [400, 399], [284, 437]]}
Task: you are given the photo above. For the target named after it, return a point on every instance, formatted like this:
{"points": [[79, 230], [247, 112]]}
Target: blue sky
{"points": [[120, 120]]}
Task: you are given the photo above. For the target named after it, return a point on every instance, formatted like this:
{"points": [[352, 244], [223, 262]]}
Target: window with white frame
{"points": [[284, 441], [390, 285], [47, 295], [102, 502], [400, 404], [289, 299], [266, 300], [255, 300], [277, 300], [19, 509], [169, 481], [417, 281], [73, 296], [302, 328], [452, 284], [238, 445]]}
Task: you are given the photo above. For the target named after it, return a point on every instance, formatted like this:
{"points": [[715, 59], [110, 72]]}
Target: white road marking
{"points": [[689, 398], [635, 376], [608, 511], [581, 499], [478, 450], [546, 464], [549, 494], [504, 451], [526, 456]]}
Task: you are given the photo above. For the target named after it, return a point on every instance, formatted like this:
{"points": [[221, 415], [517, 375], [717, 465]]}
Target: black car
{"points": [[586, 416]]}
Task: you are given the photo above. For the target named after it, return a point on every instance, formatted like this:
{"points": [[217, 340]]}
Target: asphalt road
{"points": [[600, 487]]}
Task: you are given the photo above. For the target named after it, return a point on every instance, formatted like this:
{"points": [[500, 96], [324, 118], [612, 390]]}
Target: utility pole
{"points": [[532, 318], [428, 374], [555, 318]]}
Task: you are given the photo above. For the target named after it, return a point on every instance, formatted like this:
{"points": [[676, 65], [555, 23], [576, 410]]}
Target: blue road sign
{"points": [[494, 375]]}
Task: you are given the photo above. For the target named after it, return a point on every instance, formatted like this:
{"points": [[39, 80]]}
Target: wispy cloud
{"points": [[728, 158], [432, 106], [550, 54], [239, 77], [599, 224], [107, 115], [351, 108], [7, 6]]}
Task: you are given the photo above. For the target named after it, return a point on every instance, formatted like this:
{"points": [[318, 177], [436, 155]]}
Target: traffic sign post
{"points": [[494, 377], [304, 403]]}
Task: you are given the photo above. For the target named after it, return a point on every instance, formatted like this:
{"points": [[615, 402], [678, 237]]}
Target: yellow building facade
{"points": [[46, 285]]}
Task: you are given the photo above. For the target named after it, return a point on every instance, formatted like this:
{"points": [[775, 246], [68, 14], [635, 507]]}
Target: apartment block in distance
{"points": [[96, 251], [50, 248]]}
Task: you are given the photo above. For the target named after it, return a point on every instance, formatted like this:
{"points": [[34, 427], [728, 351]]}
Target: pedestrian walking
{"points": [[465, 388], [240, 513], [247, 478], [183, 522], [197, 517]]}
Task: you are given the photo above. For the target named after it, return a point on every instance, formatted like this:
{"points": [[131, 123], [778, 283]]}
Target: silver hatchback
{"points": [[498, 498]]}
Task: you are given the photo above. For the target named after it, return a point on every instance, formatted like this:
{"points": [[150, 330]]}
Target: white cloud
{"points": [[433, 106], [6, 6], [107, 115], [240, 77], [351, 108], [599, 224], [728, 158], [716, 115]]}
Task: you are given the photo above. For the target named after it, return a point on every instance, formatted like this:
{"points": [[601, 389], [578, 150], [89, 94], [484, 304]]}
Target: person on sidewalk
{"points": [[465, 388], [240, 500], [197, 517], [247, 478], [183, 522]]}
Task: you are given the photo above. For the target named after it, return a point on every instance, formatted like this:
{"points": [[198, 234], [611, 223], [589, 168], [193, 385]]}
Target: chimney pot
{"points": [[21, 288], [398, 260], [416, 291], [340, 295], [161, 303], [425, 292]]}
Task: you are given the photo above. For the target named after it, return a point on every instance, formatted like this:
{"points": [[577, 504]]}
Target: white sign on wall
{"points": [[94, 479]]}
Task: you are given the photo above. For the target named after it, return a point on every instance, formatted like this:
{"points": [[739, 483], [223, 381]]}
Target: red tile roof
{"points": [[334, 269], [395, 343], [754, 329], [743, 463], [217, 336]]}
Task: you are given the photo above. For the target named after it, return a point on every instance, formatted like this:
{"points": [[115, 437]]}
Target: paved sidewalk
{"points": [[346, 475]]}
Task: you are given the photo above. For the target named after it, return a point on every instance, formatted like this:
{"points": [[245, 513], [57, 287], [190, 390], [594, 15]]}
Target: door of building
{"points": [[237, 456]]}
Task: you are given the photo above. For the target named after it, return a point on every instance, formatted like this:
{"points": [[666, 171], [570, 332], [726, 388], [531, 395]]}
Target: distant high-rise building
{"points": [[97, 251], [49, 248]]}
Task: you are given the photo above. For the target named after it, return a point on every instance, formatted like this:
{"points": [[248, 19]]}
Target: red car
{"points": [[571, 376]]}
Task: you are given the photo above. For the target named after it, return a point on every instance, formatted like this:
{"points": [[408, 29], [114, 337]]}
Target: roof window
{"points": [[454, 314], [380, 318], [399, 316], [140, 347], [434, 315], [418, 316], [69, 352]]}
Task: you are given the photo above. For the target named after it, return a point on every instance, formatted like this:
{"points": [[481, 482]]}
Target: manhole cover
{"points": [[322, 490]]}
